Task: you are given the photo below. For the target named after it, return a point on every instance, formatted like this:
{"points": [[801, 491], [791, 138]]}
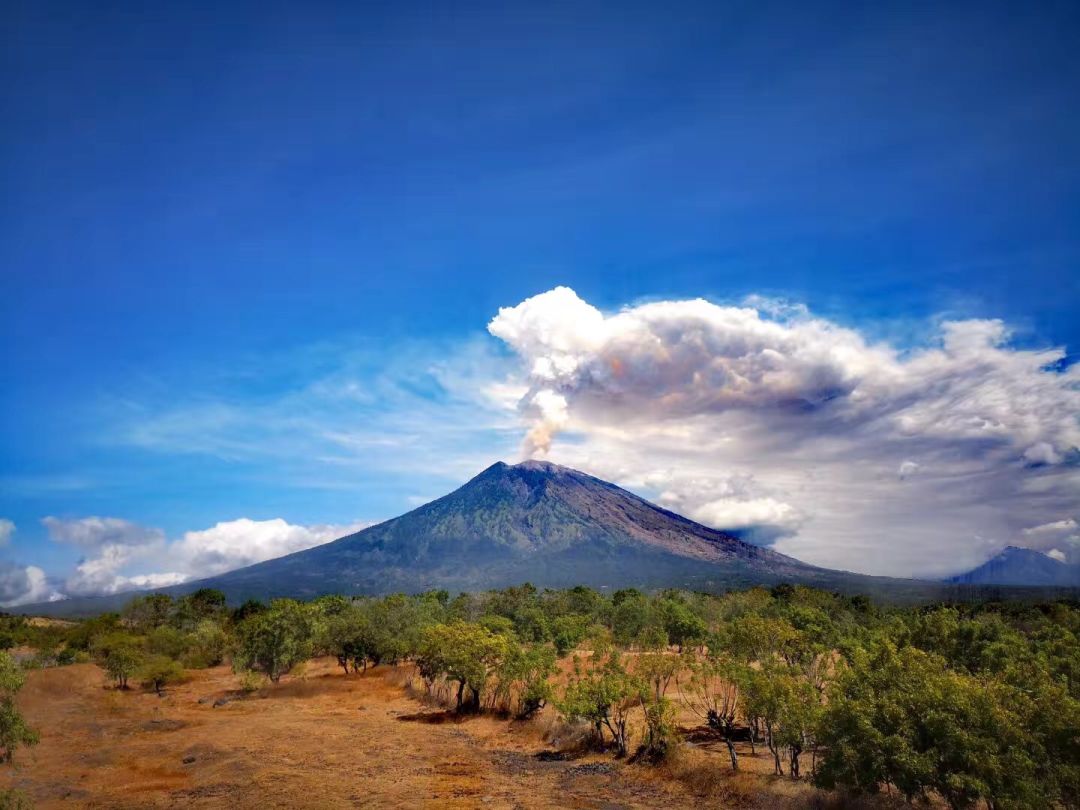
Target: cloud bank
{"points": [[120, 555], [841, 451]]}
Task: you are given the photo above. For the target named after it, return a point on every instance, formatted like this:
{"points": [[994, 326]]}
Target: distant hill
{"points": [[532, 522], [1021, 566]]}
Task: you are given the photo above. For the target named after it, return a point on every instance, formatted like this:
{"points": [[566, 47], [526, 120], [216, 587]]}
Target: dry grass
{"points": [[369, 739]]}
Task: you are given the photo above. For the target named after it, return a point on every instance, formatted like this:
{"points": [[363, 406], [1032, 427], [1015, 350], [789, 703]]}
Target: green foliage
{"points": [[352, 638], [273, 641], [145, 613], [168, 642], [207, 645], [602, 693], [902, 717], [159, 670], [464, 653], [14, 732], [523, 671], [661, 731], [119, 654], [957, 704], [567, 632]]}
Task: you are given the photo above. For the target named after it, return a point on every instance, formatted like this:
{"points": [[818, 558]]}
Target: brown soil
{"points": [[324, 741]]}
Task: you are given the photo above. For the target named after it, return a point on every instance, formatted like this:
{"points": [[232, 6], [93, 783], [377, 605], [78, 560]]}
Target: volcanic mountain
{"points": [[1021, 566], [532, 522], [536, 522]]}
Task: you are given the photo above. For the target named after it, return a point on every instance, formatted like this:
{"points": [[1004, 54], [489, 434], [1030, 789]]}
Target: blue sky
{"points": [[249, 253]]}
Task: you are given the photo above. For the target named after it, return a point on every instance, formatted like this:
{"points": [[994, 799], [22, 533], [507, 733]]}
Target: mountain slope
{"points": [[1021, 566], [532, 522], [535, 521]]}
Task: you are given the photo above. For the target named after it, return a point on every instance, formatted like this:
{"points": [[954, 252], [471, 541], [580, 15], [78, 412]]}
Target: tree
{"points": [[464, 653], [658, 669], [14, 732], [680, 623], [629, 615], [207, 645], [205, 604], [144, 613], [159, 670], [350, 638], [569, 631], [712, 693], [901, 717], [120, 655], [275, 640], [524, 670], [602, 693]]}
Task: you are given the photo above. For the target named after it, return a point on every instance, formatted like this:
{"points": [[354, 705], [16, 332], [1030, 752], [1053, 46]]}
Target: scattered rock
{"points": [[221, 702], [188, 759]]}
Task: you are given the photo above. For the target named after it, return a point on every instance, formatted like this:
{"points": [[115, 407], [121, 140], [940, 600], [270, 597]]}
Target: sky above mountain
{"points": [[272, 272]]}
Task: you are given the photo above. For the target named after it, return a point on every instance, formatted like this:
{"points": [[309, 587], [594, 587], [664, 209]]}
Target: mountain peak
{"points": [[541, 465], [533, 521], [1016, 565]]}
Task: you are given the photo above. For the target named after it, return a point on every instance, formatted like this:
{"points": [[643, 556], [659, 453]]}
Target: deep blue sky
{"points": [[195, 193]]}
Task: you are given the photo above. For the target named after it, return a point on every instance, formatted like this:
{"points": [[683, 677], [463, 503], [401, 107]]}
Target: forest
{"points": [[970, 705]]}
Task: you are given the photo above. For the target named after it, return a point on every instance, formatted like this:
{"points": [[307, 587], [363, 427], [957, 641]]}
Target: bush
{"points": [[159, 670], [120, 655], [275, 640], [251, 681], [14, 732]]}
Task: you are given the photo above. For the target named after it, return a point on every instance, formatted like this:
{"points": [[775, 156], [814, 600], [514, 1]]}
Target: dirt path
{"points": [[325, 741]]}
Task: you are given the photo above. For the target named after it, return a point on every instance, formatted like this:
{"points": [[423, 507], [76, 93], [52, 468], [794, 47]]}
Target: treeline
{"points": [[973, 704]]}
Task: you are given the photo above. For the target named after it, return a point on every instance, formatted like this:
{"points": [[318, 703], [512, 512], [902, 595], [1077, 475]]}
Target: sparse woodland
{"points": [[963, 705]]}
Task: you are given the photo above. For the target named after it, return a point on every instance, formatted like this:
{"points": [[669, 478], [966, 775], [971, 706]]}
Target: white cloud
{"points": [[109, 545], [236, 543], [96, 533], [815, 415], [120, 552], [20, 585], [1059, 539], [907, 469], [7, 529]]}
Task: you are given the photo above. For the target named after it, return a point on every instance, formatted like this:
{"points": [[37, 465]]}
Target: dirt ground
{"points": [[323, 740]]}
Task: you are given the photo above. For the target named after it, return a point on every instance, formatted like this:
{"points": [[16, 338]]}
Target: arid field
{"points": [[328, 740]]}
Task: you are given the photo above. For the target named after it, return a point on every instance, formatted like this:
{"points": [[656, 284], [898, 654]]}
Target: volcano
{"points": [[532, 522]]}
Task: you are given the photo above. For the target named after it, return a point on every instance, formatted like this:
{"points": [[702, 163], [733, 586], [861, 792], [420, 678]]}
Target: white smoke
{"points": [[862, 455]]}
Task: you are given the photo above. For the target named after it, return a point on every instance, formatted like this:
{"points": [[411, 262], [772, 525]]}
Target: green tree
{"points": [[602, 693], [464, 653], [144, 613], [14, 732], [159, 670], [119, 654], [523, 671], [275, 640], [350, 637], [901, 717]]}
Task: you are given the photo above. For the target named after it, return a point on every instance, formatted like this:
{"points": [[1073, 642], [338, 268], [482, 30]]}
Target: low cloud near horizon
{"points": [[112, 546]]}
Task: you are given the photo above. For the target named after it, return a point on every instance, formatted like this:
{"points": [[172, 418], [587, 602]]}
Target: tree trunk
{"points": [[460, 692], [732, 754]]}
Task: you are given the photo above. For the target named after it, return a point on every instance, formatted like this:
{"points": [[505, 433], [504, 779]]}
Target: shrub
{"points": [[159, 670], [14, 732], [120, 655]]}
